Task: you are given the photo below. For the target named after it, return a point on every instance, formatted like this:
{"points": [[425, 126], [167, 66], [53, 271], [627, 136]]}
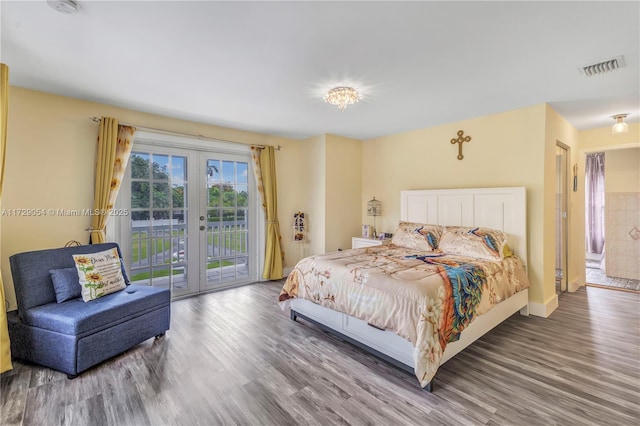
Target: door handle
{"points": [[202, 227]]}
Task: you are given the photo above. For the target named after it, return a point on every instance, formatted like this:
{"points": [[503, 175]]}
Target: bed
{"points": [[455, 269]]}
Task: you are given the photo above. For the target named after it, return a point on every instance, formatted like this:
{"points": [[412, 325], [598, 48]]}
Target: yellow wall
{"points": [[312, 201], [622, 164], [602, 139], [507, 149], [332, 182], [343, 207], [50, 162], [559, 130], [622, 170], [288, 170]]}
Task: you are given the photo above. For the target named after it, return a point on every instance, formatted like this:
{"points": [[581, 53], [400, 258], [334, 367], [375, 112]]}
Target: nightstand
{"points": [[360, 242]]}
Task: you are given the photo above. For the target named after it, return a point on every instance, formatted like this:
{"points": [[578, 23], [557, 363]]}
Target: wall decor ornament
{"points": [[460, 140], [299, 228]]}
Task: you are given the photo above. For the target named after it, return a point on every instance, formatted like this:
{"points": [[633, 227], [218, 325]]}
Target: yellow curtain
{"points": [[265, 171], [114, 149], [5, 346]]}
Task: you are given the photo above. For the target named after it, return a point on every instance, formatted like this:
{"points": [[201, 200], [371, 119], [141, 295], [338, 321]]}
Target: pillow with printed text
{"points": [[99, 273]]}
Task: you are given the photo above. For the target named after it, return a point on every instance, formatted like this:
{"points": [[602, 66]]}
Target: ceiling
{"points": [[264, 66]]}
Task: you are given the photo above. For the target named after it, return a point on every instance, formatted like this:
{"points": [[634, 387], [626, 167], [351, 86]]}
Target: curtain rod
{"points": [[168, 132]]}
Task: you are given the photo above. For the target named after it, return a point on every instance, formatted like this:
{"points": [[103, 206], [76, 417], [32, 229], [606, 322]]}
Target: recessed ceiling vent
{"points": [[603, 67]]}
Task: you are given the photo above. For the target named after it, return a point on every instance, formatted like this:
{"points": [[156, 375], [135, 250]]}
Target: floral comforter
{"points": [[426, 297]]}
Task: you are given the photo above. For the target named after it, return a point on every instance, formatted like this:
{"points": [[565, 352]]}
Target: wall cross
{"points": [[459, 141]]}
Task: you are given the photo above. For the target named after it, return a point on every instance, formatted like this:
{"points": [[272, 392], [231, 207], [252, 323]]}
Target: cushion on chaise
{"points": [[77, 317]]}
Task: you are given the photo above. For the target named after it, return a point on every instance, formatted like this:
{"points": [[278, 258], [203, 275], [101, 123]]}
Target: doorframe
{"points": [[565, 225], [582, 155], [115, 230]]}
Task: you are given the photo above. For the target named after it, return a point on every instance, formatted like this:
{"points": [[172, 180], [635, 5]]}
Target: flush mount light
{"points": [[620, 126], [68, 7], [342, 96]]}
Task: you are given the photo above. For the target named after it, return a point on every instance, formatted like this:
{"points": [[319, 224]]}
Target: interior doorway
{"points": [[612, 196], [594, 213], [562, 251]]}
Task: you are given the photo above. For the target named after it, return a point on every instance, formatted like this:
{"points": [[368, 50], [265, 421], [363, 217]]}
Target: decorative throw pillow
{"points": [[65, 284], [417, 236], [99, 273], [481, 243]]}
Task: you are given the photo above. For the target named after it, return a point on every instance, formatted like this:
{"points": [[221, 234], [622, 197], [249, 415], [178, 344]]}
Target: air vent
{"points": [[603, 67]]}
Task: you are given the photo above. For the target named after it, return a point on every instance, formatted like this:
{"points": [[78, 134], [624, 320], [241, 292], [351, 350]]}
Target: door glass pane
{"points": [[243, 196], [213, 194], [160, 167], [179, 195], [178, 169], [159, 213], [228, 172], [140, 195], [213, 170], [139, 165], [227, 222], [242, 171]]}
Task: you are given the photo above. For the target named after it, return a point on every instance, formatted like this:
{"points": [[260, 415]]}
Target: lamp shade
{"points": [[374, 207]]}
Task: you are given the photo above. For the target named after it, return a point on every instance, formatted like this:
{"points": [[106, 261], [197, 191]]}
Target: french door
{"points": [[192, 224], [224, 226]]}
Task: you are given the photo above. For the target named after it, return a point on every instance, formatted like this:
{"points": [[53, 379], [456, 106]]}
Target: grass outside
{"points": [[141, 242], [176, 271]]}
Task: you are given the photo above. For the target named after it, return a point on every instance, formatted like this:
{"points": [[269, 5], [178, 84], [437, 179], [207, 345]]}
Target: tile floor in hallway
{"points": [[597, 276]]}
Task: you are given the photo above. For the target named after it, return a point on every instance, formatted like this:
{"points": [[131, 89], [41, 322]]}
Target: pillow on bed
{"points": [[417, 236], [481, 243]]}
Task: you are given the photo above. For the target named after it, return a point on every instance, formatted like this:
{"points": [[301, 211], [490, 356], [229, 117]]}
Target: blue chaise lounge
{"points": [[75, 335]]}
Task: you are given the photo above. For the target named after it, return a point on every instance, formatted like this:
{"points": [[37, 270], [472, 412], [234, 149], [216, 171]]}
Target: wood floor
{"points": [[234, 357]]}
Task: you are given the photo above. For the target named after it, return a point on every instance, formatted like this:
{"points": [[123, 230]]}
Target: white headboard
{"points": [[497, 208]]}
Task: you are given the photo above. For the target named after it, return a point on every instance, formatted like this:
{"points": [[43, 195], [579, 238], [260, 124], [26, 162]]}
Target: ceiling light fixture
{"points": [[620, 126], [342, 96], [68, 7]]}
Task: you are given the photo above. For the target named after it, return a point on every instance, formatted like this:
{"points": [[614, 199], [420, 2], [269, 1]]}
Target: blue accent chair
{"points": [[74, 335]]}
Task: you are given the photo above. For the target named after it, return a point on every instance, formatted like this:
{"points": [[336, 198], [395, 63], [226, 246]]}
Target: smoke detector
{"points": [[68, 7], [602, 67]]}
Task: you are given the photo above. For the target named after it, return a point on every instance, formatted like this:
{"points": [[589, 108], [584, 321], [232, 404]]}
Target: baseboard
{"points": [[544, 309]]}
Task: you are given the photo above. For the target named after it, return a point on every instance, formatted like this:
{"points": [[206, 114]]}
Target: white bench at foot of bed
{"points": [[394, 348]]}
